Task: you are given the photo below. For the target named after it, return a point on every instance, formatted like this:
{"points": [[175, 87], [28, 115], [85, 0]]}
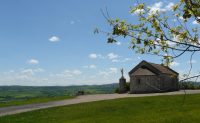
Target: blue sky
{"points": [[51, 42]]}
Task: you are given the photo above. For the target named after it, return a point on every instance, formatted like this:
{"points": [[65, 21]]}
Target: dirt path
{"points": [[80, 99]]}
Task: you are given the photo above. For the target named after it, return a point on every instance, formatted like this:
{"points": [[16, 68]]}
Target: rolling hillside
{"points": [[20, 93]]}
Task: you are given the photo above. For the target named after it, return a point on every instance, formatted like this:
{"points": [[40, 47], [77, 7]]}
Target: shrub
{"points": [[117, 90], [128, 86], [189, 85]]}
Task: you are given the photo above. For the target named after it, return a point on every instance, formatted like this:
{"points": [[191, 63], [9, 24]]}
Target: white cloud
{"points": [[169, 6], [108, 72], [9, 72], [195, 22], [118, 43], [38, 70], [175, 64], [72, 22], [34, 77], [113, 70], [93, 56], [100, 56], [181, 18], [157, 7], [65, 73], [22, 75], [92, 66], [33, 61], [115, 60], [127, 59], [138, 11], [122, 60], [171, 43], [96, 56], [31, 72], [174, 20], [77, 72], [28, 72], [68, 73], [54, 39], [85, 66], [112, 56], [192, 61], [26, 77]]}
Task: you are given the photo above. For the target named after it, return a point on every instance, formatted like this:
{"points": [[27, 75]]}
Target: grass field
{"points": [[160, 109]]}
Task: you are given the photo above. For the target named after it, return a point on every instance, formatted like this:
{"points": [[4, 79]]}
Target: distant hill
{"points": [[13, 93]]}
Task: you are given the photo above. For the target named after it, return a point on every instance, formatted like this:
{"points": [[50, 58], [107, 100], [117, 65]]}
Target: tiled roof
{"points": [[155, 68], [163, 69]]}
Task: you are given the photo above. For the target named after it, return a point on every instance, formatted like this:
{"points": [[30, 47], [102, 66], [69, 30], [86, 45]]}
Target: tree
{"points": [[191, 9], [156, 33]]}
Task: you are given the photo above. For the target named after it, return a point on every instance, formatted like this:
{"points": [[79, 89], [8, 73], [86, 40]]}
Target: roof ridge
{"points": [[158, 67], [166, 67], [155, 63]]}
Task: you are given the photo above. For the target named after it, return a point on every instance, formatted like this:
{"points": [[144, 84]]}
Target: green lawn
{"points": [[33, 100], [161, 109]]}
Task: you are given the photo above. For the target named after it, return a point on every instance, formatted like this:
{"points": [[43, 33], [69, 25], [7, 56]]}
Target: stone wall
{"points": [[170, 83], [153, 83]]}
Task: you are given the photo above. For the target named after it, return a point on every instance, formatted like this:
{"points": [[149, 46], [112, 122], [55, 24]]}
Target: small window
{"points": [[138, 81]]}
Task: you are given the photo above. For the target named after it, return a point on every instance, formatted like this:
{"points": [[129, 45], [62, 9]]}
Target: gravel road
{"points": [[81, 99]]}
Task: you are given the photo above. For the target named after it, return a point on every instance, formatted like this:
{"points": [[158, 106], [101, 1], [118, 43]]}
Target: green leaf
{"points": [[111, 40], [175, 7]]}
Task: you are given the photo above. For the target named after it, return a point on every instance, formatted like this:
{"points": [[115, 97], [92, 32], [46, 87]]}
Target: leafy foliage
{"points": [[191, 9], [156, 34]]}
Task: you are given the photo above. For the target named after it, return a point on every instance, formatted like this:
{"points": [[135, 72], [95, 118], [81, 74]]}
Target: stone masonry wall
{"points": [[154, 83]]}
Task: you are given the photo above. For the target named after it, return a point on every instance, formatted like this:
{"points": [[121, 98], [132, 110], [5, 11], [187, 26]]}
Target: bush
{"points": [[189, 85], [128, 86], [117, 90]]}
